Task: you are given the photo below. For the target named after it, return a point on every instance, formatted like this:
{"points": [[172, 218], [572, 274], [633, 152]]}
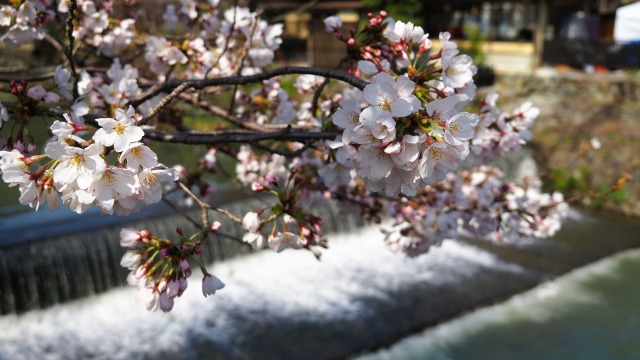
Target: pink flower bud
{"points": [[173, 288], [166, 302], [36, 92], [216, 225], [51, 98], [19, 145], [184, 265], [183, 286]]}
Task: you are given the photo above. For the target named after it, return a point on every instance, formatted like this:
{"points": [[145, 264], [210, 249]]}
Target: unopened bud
{"points": [[184, 265], [215, 226]]}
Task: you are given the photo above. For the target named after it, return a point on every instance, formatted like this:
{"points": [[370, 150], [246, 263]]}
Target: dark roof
{"points": [[322, 5]]}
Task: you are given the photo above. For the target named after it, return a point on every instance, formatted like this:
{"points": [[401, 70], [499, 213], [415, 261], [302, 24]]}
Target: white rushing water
{"points": [[261, 289], [590, 313]]}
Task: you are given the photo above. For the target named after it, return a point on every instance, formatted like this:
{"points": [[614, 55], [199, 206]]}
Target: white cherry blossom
{"points": [[137, 154], [118, 132]]}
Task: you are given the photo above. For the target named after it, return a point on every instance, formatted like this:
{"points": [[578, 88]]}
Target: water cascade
{"points": [[360, 297], [56, 268]]}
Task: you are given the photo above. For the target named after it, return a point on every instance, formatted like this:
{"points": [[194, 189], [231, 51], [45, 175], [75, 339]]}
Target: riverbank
{"points": [[576, 107]]}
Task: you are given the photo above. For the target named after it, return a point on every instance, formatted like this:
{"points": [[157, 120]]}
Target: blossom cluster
{"points": [[389, 147], [499, 132], [294, 189], [223, 39], [160, 268], [409, 133], [478, 202], [26, 23], [79, 169], [269, 104]]}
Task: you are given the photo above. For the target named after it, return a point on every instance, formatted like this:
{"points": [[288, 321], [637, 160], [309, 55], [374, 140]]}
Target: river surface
{"points": [[591, 313], [361, 297]]}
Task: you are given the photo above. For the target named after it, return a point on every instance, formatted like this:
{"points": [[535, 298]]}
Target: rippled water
{"points": [[590, 313]]}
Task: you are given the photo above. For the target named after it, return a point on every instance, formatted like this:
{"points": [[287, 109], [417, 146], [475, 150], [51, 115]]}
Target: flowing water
{"points": [[590, 314], [359, 297], [51, 258]]}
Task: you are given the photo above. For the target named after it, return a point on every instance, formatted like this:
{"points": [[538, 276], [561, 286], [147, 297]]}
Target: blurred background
{"points": [[63, 293]]}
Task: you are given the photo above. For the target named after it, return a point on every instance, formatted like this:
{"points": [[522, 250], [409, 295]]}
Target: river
{"points": [[361, 297], [591, 313]]}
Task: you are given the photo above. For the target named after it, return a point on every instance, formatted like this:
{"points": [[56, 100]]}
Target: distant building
{"points": [[513, 36]]}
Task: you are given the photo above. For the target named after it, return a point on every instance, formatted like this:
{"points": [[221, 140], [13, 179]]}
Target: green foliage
{"points": [[475, 45], [566, 181], [405, 10]]}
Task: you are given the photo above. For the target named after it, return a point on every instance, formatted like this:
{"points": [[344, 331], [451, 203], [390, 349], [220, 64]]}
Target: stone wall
{"points": [[576, 107]]}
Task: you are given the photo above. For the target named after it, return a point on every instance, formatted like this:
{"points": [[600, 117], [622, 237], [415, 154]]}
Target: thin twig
{"points": [[204, 206], [164, 102], [73, 8], [284, 153], [181, 212], [38, 77], [219, 112], [318, 92], [232, 102]]}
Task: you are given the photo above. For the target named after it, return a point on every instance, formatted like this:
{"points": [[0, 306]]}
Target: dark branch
{"points": [[250, 79], [237, 136]]}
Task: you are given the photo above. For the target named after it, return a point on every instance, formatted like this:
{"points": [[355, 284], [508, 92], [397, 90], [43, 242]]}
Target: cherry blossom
{"points": [[210, 284], [118, 132], [389, 145]]}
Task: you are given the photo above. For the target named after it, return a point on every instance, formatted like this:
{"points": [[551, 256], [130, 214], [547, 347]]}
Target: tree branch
{"points": [[237, 136], [198, 84]]}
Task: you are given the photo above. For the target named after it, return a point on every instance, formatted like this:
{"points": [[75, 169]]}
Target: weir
{"points": [[41, 268]]}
